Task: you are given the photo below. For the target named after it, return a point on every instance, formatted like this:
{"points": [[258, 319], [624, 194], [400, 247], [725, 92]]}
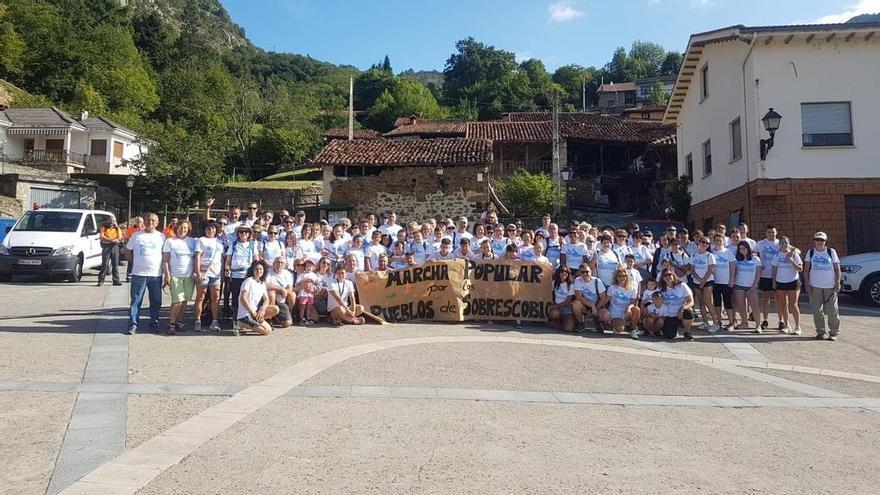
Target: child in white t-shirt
{"points": [[307, 287], [647, 295], [653, 320]]}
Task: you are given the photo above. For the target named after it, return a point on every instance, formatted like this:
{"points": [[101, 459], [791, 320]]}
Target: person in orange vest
{"points": [[111, 238], [171, 229], [134, 225]]}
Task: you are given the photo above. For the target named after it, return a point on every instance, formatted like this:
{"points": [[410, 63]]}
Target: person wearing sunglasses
{"points": [[563, 296], [822, 281], [252, 212], [590, 299], [240, 257], [271, 247]]}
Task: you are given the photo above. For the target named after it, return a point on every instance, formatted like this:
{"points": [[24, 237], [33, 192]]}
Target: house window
{"points": [[826, 124], [689, 165], [646, 116], [707, 158], [704, 81], [736, 144]]}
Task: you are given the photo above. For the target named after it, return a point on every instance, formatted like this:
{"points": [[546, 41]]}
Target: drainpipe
{"points": [[745, 128]]}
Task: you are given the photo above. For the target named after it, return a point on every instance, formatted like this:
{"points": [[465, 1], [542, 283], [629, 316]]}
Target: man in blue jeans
{"points": [[145, 256]]}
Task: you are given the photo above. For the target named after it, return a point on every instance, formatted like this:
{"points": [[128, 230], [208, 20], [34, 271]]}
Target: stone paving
{"points": [[146, 413]]}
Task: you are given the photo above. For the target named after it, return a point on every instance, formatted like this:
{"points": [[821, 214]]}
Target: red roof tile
{"points": [[408, 152], [340, 133], [511, 131], [429, 128], [615, 88]]}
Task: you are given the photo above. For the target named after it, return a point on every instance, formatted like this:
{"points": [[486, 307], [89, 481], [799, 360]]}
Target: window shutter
{"points": [[825, 118]]}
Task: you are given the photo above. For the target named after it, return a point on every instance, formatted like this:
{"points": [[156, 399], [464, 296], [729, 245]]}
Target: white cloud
{"points": [[563, 12], [862, 7]]}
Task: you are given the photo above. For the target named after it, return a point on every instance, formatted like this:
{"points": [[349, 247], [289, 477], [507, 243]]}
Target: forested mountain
{"points": [[866, 18], [182, 73]]}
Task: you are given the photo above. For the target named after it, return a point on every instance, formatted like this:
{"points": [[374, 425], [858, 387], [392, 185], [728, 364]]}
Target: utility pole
{"points": [[350, 108], [556, 175], [584, 95]]}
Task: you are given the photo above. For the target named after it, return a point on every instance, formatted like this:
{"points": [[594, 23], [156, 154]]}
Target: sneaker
{"points": [[783, 327], [796, 331], [215, 326], [117, 283], [634, 334], [688, 336], [197, 326], [759, 330], [519, 324], [832, 337], [172, 328], [100, 283], [730, 328], [820, 336], [154, 326], [714, 328], [132, 329], [742, 326], [764, 325]]}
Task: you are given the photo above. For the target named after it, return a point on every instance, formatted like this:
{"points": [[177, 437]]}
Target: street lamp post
{"points": [[566, 174], [439, 172], [129, 183], [771, 123]]}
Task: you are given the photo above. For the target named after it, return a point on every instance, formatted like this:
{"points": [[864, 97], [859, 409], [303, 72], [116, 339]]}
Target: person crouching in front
{"points": [[254, 310]]}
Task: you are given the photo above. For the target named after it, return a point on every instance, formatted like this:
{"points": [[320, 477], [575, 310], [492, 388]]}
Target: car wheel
{"points": [[871, 291], [77, 272], [5, 277]]}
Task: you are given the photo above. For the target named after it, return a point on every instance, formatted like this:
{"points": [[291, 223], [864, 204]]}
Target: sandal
{"points": [[360, 320]]}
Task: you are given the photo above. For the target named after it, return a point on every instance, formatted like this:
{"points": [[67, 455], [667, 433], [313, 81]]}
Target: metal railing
{"points": [[52, 157]]}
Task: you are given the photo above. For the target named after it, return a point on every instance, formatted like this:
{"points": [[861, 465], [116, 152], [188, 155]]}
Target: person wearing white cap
{"points": [[822, 280]]}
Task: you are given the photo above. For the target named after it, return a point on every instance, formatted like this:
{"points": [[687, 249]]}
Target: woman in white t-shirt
{"points": [[207, 270], [744, 279], [341, 304], [177, 260], [787, 266], [254, 310], [678, 305], [622, 298], [703, 275], [574, 252], [722, 293], [374, 250], [563, 295], [292, 250], [306, 243], [606, 261]]}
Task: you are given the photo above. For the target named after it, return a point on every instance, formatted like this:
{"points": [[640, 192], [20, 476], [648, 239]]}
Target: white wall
{"points": [[826, 72], [836, 71], [709, 119]]}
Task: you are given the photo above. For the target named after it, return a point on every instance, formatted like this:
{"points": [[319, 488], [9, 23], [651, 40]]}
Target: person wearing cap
{"points": [[240, 255], [299, 219], [307, 287], [822, 281], [445, 251]]}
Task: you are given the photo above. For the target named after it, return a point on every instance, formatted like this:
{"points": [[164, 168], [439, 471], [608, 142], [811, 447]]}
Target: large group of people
{"points": [[269, 270]]}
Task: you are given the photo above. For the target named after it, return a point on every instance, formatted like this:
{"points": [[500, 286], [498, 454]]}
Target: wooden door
{"points": [[862, 224]]}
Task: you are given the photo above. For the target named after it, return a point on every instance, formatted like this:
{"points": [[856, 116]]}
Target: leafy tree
{"points": [[658, 94], [386, 65], [464, 110], [650, 53], [671, 64], [679, 198], [571, 80], [529, 195], [406, 97], [618, 66], [486, 75], [11, 45], [86, 97], [369, 85]]}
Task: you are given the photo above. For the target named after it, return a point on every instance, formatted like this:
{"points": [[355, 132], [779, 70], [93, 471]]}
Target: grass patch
{"points": [[278, 184], [300, 174]]}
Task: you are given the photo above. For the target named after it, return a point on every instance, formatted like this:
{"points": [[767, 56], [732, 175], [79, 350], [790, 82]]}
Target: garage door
{"points": [[54, 198], [862, 224]]}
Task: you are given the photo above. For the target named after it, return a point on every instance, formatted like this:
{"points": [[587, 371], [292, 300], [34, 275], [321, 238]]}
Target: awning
{"points": [[39, 131]]}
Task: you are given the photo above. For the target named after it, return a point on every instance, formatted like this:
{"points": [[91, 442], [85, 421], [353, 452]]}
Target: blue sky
{"points": [[422, 34]]}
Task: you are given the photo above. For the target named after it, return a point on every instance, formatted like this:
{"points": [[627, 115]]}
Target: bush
{"points": [[529, 195], [679, 199]]}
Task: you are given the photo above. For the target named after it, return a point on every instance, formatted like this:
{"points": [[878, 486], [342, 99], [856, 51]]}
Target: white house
{"points": [[822, 171], [50, 138]]}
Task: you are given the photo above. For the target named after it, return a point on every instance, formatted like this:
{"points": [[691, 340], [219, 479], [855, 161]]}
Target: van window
{"points": [[89, 227], [49, 221], [100, 218]]}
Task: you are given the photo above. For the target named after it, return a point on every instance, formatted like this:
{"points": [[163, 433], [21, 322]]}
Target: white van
{"points": [[53, 242]]}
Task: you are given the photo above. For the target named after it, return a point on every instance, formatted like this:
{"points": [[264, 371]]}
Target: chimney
{"points": [[83, 115]]}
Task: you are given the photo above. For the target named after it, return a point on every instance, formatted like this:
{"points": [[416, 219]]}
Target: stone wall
{"points": [[797, 207], [274, 199], [414, 193]]}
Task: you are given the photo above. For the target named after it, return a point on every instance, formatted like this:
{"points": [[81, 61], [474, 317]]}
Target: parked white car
{"points": [[52, 242], [861, 274]]}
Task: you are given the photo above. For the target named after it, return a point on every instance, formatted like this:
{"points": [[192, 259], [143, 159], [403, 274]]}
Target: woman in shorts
{"points": [[744, 280], [622, 298], [254, 310], [703, 276], [177, 259], [787, 265], [678, 305], [563, 296], [722, 293], [208, 266]]}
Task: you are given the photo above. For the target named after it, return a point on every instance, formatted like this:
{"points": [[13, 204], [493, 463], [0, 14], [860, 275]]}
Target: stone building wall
{"points": [[276, 199], [414, 193], [797, 207]]}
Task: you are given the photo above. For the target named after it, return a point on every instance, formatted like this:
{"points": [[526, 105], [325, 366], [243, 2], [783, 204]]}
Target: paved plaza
{"points": [[425, 408]]}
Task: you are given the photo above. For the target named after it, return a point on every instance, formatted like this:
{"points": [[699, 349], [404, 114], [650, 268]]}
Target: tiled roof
{"points": [[422, 152], [547, 116], [95, 123], [511, 131], [608, 129], [340, 133], [616, 88], [403, 121], [652, 108], [429, 128], [39, 117]]}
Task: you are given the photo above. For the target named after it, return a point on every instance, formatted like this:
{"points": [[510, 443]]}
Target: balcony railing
{"points": [[50, 157], [507, 167]]}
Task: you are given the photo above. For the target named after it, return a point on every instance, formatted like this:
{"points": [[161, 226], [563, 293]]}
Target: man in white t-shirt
{"points": [[390, 226], [145, 252], [279, 285], [461, 232], [822, 281], [767, 249]]}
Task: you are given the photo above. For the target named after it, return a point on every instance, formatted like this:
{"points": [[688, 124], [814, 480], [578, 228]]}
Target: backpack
{"points": [[250, 252], [831, 253]]}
